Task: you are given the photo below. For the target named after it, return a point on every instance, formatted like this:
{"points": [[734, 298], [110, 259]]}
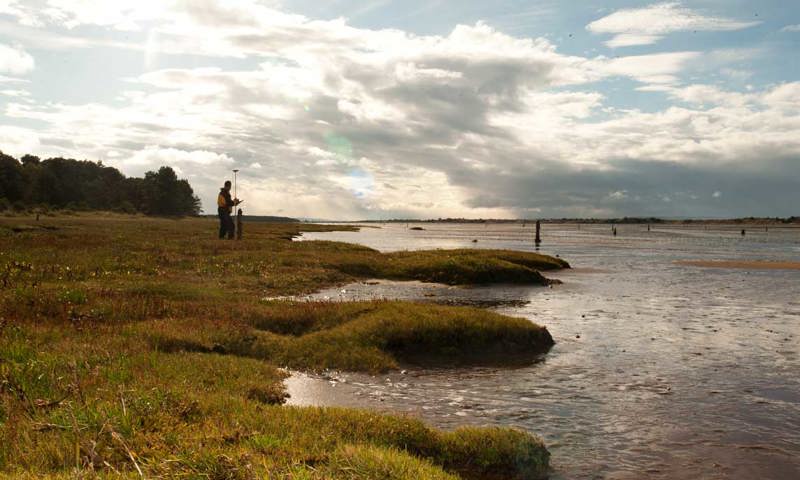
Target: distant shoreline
{"points": [[758, 221], [763, 221]]}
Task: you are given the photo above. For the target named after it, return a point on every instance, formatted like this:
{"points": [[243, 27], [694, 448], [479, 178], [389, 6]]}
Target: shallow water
{"points": [[660, 370]]}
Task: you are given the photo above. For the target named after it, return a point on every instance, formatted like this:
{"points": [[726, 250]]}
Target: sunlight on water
{"points": [[661, 370]]}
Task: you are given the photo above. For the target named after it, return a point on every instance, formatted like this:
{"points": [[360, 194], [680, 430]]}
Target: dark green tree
{"points": [[67, 183], [11, 179]]}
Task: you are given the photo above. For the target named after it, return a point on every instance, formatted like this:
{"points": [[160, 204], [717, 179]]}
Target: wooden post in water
{"points": [[538, 239], [239, 224], [743, 232]]}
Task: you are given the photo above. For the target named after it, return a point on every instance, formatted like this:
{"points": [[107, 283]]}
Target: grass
{"points": [[377, 336], [452, 267], [133, 345]]}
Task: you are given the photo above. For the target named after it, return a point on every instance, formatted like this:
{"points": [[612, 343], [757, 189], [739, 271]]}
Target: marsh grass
{"points": [[133, 345], [377, 336]]}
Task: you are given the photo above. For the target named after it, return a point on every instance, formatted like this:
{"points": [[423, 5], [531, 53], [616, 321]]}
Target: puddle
{"points": [[495, 296]]}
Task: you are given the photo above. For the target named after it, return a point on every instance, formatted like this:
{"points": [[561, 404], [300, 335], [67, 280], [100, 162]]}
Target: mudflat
{"points": [[742, 264]]}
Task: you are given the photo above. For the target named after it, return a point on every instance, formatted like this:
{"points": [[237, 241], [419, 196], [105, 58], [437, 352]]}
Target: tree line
{"points": [[62, 183]]}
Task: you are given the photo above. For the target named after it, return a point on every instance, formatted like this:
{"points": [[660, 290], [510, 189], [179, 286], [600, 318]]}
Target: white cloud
{"points": [[618, 195], [711, 95], [791, 28], [41, 38], [155, 155], [4, 79], [632, 39], [785, 96], [15, 60], [23, 14], [119, 14], [654, 88], [647, 25], [353, 123], [17, 141], [656, 68], [15, 93]]}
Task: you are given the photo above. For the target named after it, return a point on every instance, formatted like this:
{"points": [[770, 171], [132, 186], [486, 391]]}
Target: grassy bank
{"points": [[102, 401], [363, 336], [131, 344]]}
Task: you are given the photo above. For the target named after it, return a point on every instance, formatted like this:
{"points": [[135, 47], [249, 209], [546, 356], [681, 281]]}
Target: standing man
{"points": [[224, 208]]}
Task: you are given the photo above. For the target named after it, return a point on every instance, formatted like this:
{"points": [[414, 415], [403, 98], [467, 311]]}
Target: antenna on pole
{"points": [[235, 172], [238, 210]]}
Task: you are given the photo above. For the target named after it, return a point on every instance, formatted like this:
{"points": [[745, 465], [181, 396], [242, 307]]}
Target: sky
{"points": [[381, 109]]}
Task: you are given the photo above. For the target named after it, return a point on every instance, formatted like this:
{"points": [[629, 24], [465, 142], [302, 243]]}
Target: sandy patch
{"points": [[743, 264]]}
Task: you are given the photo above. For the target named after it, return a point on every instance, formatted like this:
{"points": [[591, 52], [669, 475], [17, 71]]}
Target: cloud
{"points": [[40, 38], [17, 141], [23, 14], [328, 120], [784, 96], [203, 168], [15, 61], [654, 68], [711, 95], [120, 14], [155, 155], [561, 192], [648, 25], [15, 93], [632, 39], [618, 195], [4, 79], [791, 28]]}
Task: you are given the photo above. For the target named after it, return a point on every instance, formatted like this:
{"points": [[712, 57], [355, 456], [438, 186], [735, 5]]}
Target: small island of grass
{"points": [[136, 347], [359, 336]]}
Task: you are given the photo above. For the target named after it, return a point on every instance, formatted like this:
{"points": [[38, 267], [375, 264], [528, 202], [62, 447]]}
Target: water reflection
{"points": [[660, 370]]}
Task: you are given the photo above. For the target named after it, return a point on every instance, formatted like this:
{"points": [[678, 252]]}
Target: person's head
{"points": [[227, 185]]}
